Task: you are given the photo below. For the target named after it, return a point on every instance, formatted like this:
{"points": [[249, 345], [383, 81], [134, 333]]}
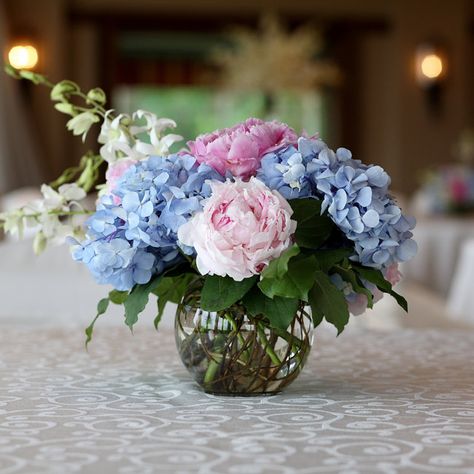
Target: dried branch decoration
{"points": [[272, 59]]}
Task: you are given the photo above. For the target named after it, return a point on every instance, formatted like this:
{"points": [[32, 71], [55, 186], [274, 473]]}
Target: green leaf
{"points": [[137, 301], [295, 283], [118, 297], [316, 312], [328, 258], [219, 293], [325, 298], [279, 266], [376, 277], [101, 309], [171, 289], [279, 311], [351, 277], [313, 229]]}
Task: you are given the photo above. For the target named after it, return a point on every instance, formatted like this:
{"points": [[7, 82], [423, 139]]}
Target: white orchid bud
{"points": [[71, 192]]}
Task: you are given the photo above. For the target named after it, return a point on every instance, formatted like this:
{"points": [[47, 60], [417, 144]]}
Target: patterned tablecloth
{"points": [[366, 403]]}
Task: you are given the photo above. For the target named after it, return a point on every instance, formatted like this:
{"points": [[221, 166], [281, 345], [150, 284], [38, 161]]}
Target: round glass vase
{"points": [[230, 353]]}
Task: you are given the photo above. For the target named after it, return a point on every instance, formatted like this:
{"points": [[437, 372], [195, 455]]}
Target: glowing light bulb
{"points": [[23, 56], [431, 66]]}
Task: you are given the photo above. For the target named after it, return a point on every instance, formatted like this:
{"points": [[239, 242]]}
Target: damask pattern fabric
{"points": [[366, 403]]}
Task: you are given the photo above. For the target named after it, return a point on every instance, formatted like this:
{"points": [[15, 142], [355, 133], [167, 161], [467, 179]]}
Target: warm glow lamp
{"points": [[430, 69], [23, 56], [430, 65]]}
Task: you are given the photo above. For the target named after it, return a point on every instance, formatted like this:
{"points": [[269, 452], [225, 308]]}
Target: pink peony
{"points": [[239, 149], [242, 227]]}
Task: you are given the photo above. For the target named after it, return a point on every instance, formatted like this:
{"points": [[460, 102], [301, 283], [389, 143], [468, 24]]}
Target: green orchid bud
{"points": [[96, 96], [125, 121], [39, 243], [66, 108], [63, 89], [11, 71], [33, 77]]}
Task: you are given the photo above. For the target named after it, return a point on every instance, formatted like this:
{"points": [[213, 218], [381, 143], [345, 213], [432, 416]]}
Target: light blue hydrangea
{"points": [[116, 262], [354, 195], [132, 235], [286, 171]]}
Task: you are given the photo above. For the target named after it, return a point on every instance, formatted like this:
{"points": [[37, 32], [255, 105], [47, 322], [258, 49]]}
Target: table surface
{"points": [[367, 402]]}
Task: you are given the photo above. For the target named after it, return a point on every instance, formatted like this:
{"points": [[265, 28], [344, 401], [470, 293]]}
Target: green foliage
{"points": [[326, 300], [313, 228], [101, 309], [327, 259], [376, 277], [219, 293], [118, 297], [86, 174], [171, 290], [278, 267], [295, 282], [137, 300], [351, 277], [279, 311]]}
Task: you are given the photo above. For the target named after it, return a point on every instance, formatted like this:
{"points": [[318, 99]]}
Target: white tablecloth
{"points": [[439, 245], [366, 403], [461, 296]]}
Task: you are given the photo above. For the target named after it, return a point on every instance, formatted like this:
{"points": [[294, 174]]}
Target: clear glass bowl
{"points": [[230, 353]]}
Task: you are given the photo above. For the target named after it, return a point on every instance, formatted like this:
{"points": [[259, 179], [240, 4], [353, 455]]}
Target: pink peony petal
{"points": [[243, 226], [239, 149]]}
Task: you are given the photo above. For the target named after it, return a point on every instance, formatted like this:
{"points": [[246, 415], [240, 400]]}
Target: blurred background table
{"points": [[439, 246], [461, 296], [366, 402]]}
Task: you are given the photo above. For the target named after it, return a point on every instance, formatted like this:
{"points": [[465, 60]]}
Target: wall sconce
{"points": [[23, 56], [431, 70], [23, 50]]}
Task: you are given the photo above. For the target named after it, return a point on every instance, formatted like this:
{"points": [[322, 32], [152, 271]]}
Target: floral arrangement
{"points": [[447, 190], [256, 214]]}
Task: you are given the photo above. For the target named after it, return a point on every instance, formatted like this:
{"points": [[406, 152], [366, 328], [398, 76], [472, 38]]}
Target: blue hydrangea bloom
{"points": [[116, 262], [354, 195], [132, 235], [286, 171]]}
